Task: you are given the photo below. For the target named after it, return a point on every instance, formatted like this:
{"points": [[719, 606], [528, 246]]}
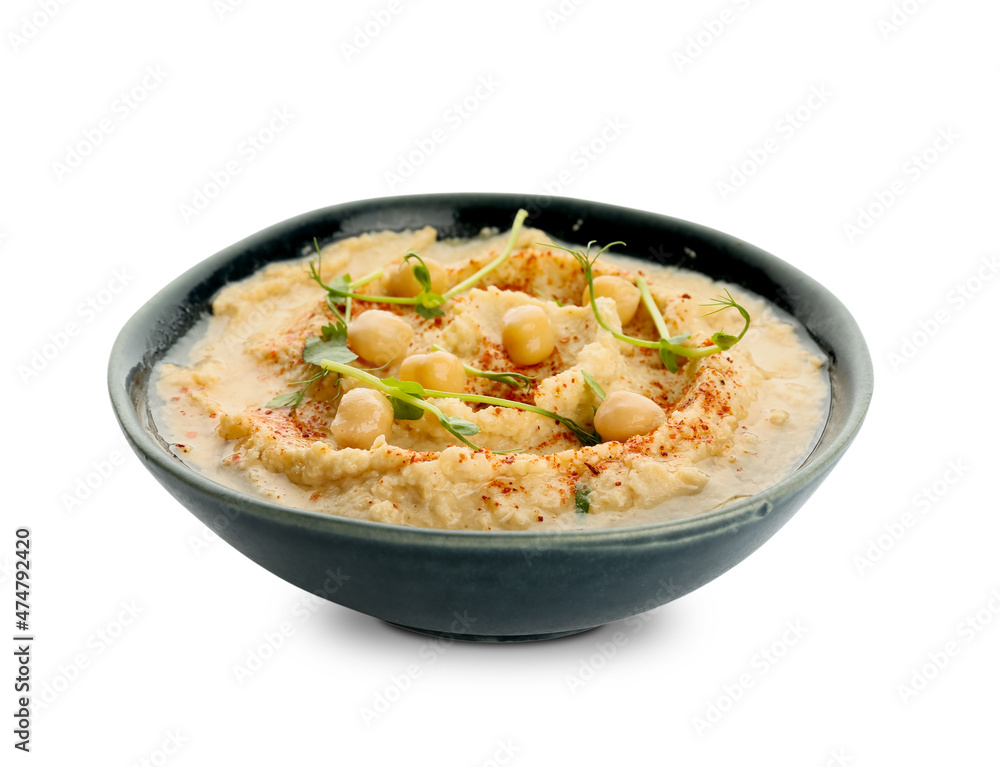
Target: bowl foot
{"points": [[491, 638]]}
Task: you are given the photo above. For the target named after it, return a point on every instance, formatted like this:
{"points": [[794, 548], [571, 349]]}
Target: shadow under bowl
{"points": [[492, 586]]}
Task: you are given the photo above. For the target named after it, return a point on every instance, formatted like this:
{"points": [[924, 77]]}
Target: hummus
{"points": [[733, 423]]}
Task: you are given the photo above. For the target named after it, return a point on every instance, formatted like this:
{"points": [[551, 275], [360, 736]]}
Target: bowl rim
{"points": [[123, 365]]}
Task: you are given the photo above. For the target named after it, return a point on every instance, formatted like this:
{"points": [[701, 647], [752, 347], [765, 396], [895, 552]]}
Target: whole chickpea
{"points": [[403, 283], [438, 370], [527, 334], [379, 336], [625, 295], [363, 415], [626, 414]]}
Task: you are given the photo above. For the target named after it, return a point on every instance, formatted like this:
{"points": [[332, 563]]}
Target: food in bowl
{"points": [[500, 382]]}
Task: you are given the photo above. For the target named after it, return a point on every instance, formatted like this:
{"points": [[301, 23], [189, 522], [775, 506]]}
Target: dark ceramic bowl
{"points": [[497, 586]]}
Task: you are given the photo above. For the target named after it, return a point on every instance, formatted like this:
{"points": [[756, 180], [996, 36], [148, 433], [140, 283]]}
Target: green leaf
{"points": [[598, 390], [331, 345], [724, 340], [330, 331], [293, 398], [427, 302], [429, 312], [420, 272], [340, 285], [669, 359], [405, 411], [458, 426], [581, 498]]}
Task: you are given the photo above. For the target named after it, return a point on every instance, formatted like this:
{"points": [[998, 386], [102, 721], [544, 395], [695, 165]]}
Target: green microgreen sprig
{"points": [[669, 347], [594, 386], [517, 380], [427, 303], [409, 402], [340, 290]]}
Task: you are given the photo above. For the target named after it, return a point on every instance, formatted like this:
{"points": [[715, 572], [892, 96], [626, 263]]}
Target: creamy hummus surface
{"points": [[732, 423]]}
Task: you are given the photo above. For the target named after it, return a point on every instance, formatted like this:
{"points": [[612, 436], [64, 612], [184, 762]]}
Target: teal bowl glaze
{"points": [[492, 586]]}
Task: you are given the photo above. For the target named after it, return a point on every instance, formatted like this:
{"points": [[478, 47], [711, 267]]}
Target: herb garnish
{"points": [[517, 380], [581, 499], [595, 387], [408, 399], [670, 348], [427, 303], [338, 291], [331, 344]]}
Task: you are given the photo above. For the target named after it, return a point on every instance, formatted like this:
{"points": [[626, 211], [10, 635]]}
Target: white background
{"points": [[143, 619]]}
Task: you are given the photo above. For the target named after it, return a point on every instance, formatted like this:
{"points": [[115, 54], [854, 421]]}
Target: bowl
{"points": [[492, 586]]}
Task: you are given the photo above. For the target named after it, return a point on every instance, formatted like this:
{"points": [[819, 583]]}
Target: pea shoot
{"points": [[517, 380], [340, 288], [427, 303], [669, 347], [409, 403], [594, 386]]}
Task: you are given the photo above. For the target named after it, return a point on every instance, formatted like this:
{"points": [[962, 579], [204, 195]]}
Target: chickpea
{"points": [[362, 416], [626, 414], [624, 293], [403, 283], [379, 336], [527, 334], [438, 370]]}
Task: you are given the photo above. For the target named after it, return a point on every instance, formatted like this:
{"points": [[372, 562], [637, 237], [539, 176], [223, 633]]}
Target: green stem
{"points": [[364, 281], [664, 331], [584, 436], [468, 283], [336, 312], [368, 278], [586, 263], [485, 400], [376, 299], [612, 331], [696, 352], [310, 380], [518, 380], [651, 307], [373, 381], [703, 351], [391, 391], [357, 284]]}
